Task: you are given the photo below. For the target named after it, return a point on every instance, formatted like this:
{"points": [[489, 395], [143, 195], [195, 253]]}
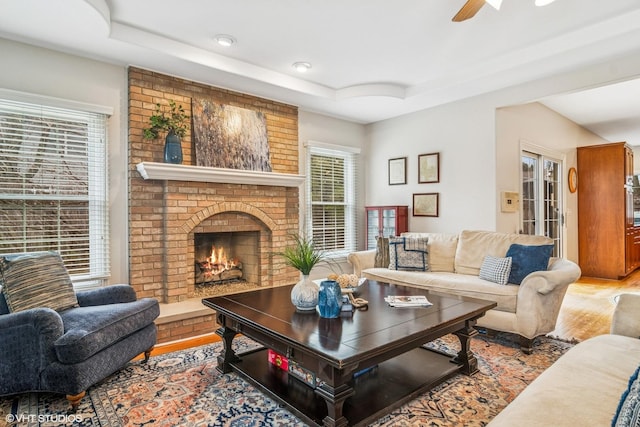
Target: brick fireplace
{"points": [[170, 204]]}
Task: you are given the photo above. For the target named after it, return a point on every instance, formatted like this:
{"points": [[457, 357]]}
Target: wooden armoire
{"points": [[609, 242]]}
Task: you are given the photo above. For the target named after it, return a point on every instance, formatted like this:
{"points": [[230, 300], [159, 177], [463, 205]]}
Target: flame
{"points": [[219, 262]]}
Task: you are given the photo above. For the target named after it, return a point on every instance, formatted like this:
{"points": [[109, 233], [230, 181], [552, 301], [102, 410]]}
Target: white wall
{"points": [[462, 133], [537, 125], [45, 72]]}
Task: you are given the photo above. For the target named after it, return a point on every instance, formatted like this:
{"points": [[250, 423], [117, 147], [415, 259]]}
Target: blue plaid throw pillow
{"points": [[496, 269]]}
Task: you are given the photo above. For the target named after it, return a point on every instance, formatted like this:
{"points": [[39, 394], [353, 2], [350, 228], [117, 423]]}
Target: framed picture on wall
{"points": [[428, 168], [425, 204], [398, 171]]}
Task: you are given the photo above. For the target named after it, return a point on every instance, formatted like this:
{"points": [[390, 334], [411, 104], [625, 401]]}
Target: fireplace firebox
{"points": [[226, 257]]}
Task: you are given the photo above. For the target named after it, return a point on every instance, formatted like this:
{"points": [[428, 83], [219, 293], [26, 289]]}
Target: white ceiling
{"points": [[612, 111], [371, 59]]}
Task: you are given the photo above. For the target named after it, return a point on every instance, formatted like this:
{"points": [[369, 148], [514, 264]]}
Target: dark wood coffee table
{"points": [[383, 338]]}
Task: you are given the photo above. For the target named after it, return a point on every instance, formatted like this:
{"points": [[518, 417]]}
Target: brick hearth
{"points": [[165, 213]]}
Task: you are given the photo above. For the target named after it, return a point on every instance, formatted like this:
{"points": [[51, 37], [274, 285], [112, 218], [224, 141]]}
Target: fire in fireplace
{"points": [[225, 257], [218, 267]]}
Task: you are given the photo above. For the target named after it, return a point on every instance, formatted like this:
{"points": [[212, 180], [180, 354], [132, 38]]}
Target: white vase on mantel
{"points": [[304, 295]]}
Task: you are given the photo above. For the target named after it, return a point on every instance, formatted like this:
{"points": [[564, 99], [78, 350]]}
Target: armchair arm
{"points": [[626, 316], [27, 347], [113, 294], [361, 260], [540, 297]]}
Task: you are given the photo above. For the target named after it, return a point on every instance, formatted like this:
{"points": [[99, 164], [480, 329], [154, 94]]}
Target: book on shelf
{"points": [[407, 301]]}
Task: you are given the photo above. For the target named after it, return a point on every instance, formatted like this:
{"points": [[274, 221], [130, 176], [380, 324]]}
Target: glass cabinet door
{"points": [[389, 222], [373, 221]]}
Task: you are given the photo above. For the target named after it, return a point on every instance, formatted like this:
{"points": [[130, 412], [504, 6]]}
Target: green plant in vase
{"points": [[173, 120], [303, 256]]}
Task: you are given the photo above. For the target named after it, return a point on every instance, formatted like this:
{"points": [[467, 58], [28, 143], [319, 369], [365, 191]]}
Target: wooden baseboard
{"points": [[182, 344]]}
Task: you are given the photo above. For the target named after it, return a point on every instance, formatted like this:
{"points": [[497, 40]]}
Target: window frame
{"points": [[97, 269], [351, 202]]}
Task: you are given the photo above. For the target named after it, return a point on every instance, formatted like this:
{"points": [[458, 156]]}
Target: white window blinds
{"points": [[53, 186], [331, 198]]}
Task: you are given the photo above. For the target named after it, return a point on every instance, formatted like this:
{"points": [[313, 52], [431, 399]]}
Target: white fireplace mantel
{"points": [[168, 171]]}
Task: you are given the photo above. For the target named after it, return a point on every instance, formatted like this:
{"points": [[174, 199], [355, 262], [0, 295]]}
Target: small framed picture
{"points": [[398, 171], [428, 168], [425, 204]]}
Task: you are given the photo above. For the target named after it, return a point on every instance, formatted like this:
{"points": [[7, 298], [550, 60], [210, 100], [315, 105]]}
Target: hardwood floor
{"points": [[588, 306], [586, 312]]}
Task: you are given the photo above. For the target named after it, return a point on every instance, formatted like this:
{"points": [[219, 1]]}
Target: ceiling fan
{"points": [[471, 7]]}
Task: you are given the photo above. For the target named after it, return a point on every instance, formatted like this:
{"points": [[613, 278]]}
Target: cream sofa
{"points": [[585, 386], [528, 310]]}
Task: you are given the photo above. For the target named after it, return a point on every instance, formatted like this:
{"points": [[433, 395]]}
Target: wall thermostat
{"points": [[510, 201]]}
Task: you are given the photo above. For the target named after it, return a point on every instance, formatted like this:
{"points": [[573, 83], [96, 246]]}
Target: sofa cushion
{"points": [[407, 253], [505, 296], [496, 269], [582, 388], [91, 329], [442, 249], [628, 412], [473, 246], [36, 279], [527, 259], [382, 252]]}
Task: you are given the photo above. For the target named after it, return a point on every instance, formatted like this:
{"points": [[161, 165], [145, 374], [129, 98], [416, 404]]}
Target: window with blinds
{"points": [[331, 199], [53, 186]]}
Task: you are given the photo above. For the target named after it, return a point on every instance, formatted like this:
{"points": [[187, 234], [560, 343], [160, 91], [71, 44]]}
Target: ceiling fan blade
{"points": [[470, 8]]}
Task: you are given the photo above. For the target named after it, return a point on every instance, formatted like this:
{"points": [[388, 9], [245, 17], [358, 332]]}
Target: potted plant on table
{"points": [[175, 122], [303, 256]]}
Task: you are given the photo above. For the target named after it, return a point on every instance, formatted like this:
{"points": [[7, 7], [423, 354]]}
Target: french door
{"points": [[542, 198]]}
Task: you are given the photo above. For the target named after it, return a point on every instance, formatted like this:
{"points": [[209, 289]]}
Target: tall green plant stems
{"points": [[303, 256]]}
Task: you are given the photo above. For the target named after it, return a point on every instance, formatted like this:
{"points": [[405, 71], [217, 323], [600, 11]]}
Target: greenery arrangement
{"points": [[303, 256], [174, 121]]}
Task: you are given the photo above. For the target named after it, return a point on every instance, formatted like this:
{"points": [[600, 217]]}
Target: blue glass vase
{"points": [[329, 299], [172, 149]]}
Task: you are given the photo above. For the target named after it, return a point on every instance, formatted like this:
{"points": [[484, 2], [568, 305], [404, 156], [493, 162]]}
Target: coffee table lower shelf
{"points": [[377, 392]]}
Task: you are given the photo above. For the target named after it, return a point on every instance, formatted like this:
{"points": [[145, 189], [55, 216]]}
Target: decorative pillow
{"points": [[628, 412], [382, 252], [527, 259], [496, 269], [37, 279], [407, 253]]}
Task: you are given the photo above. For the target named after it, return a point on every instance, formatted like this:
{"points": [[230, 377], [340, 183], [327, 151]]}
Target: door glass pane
{"points": [[529, 194], [551, 174], [542, 198]]}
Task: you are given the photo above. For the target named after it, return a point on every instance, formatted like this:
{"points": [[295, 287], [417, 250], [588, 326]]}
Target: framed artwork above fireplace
{"points": [[226, 136]]}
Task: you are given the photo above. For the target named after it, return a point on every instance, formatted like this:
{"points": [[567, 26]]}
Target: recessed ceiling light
{"points": [[301, 67], [543, 2], [224, 40]]}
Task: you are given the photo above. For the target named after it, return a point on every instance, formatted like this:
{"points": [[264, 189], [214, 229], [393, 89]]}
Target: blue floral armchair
{"points": [[65, 349]]}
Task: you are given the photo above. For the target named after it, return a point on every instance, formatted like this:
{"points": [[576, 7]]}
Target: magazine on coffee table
{"points": [[407, 301]]}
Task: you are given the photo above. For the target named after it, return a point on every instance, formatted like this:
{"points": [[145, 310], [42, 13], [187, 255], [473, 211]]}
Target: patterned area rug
{"points": [[185, 389]]}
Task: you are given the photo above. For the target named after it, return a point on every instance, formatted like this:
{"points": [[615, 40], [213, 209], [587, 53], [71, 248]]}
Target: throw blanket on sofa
{"points": [[408, 253]]}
